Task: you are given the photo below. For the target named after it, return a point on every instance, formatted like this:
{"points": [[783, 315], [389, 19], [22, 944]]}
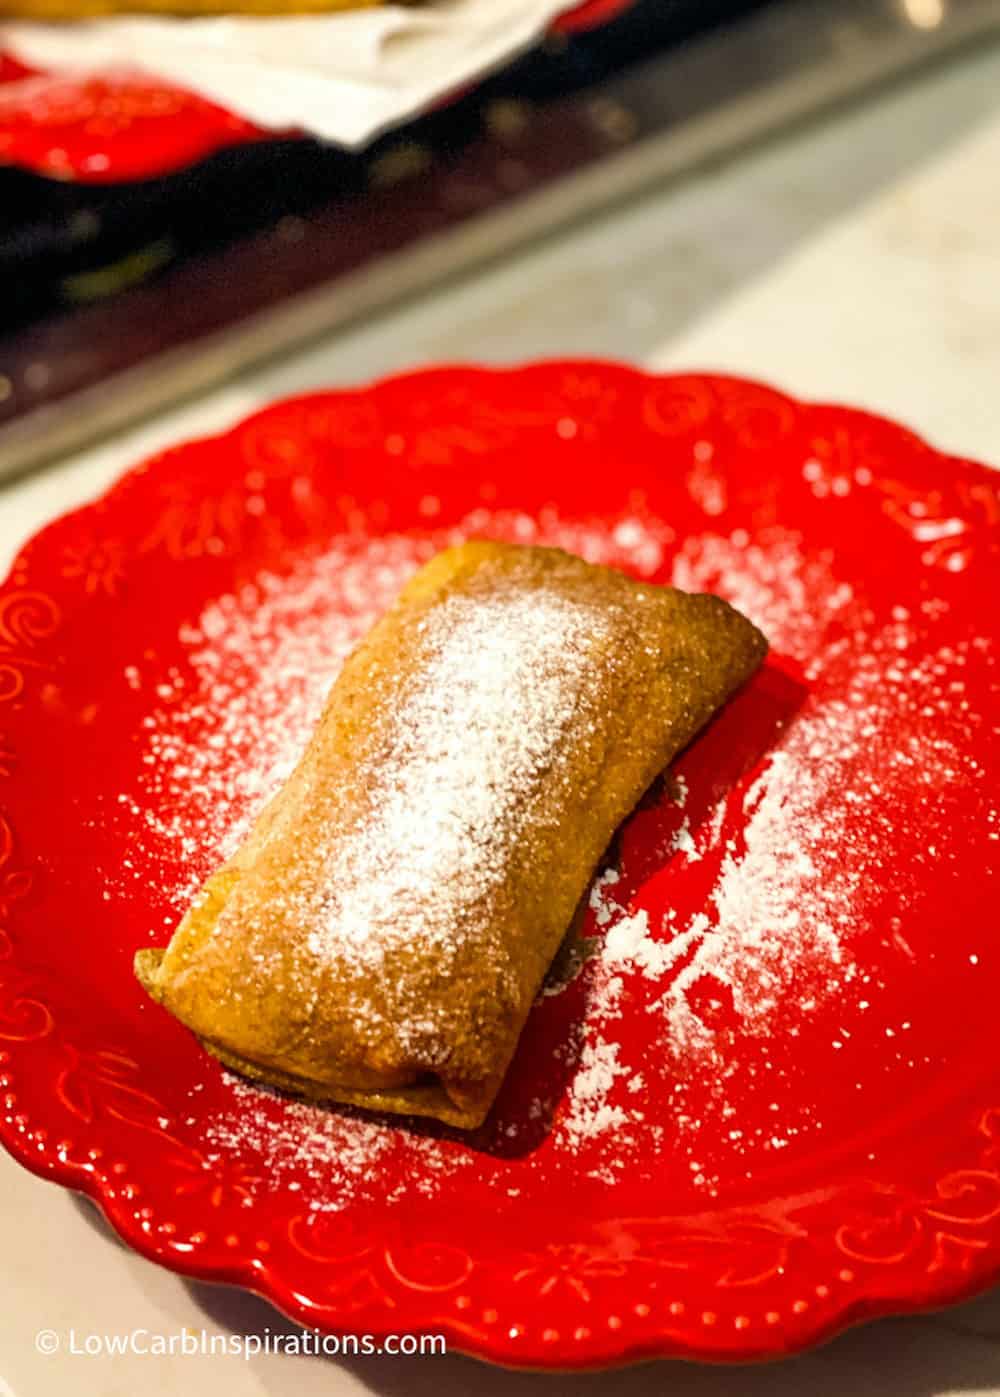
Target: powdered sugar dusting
{"points": [[265, 658], [769, 579], [340, 1153], [702, 976], [590, 1113], [500, 682], [813, 833], [266, 655]]}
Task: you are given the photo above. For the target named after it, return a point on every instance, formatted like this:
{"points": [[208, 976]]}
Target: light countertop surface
{"points": [[854, 260]]}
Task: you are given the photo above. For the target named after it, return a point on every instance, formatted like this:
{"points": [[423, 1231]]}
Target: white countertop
{"points": [[854, 260]]}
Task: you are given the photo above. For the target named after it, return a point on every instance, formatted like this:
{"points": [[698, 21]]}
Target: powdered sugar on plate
{"points": [[264, 660], [341, 1153], [780, 873], [797, 849]]}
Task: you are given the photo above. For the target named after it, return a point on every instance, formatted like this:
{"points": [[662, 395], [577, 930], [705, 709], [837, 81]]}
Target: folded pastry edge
{"points": [[407, 1101]]}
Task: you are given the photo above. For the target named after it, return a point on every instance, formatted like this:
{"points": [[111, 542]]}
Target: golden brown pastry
{"points": [[90, 9], [380, 936]]}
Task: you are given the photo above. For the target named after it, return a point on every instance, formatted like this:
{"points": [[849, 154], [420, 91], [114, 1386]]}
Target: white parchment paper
{"points": [[345, 77]]}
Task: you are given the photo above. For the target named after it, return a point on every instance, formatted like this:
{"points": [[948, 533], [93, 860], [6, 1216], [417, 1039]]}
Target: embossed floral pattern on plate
{"points": [[102, 1092]]}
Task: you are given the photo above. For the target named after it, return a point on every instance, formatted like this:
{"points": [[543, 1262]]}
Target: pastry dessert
{"points": [[380, 936], [89, 9]]}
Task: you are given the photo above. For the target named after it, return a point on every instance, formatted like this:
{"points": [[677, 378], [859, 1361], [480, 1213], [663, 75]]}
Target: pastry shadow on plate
{"points": [[730, 747]]}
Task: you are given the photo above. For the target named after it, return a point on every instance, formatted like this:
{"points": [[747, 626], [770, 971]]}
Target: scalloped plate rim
{"points": [[254, 1275]]}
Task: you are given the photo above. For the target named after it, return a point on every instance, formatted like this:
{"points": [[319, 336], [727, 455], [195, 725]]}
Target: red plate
{"points": [[112, 127], [768, 1105]]}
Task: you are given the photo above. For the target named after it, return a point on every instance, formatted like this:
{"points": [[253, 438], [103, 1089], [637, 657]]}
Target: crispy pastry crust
{"points": [[92, 9], [381, 934]]}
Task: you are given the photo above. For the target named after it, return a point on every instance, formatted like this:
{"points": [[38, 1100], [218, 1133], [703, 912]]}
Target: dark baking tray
{"points": [[118, 300], [55, 235]]}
